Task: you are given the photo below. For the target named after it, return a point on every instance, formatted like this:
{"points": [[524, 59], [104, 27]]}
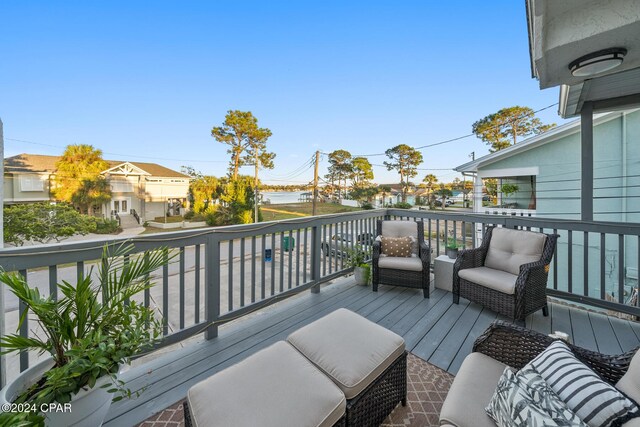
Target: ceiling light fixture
{"points": [[597, 62]]}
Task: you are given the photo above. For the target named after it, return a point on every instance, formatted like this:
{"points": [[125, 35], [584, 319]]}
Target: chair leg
{"points": [[545, 310], [374, 286], [456, 299]]}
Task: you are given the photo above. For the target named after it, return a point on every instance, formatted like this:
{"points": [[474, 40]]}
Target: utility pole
{"points": [[255, 185], [315, 184]]}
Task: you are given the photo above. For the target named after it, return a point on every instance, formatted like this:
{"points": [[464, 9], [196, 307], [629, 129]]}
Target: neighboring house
{"points": [[393, 196], [547, 170], [148, 188]]}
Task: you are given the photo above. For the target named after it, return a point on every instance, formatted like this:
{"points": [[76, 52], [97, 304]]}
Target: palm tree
{"points": [[78, 179]]}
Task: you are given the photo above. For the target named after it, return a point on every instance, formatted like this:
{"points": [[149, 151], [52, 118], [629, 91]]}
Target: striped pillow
{"points": [[596, 402]]}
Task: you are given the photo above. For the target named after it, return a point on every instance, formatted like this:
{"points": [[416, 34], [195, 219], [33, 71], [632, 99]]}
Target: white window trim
{"points": [[27, 183], [508, 172]]}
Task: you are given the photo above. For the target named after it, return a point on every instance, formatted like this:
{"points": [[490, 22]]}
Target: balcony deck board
{"points": [[434, 329], [484, 319], [625, 335], [605, 338], [582, 332]]}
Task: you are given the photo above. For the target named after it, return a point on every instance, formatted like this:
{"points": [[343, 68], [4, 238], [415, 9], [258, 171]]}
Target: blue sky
{"points": [[148, 81]]}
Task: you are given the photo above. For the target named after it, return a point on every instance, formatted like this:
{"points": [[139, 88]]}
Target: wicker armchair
{"points": [[516, 346], [505, 344], [416, 277], [496, 276]]}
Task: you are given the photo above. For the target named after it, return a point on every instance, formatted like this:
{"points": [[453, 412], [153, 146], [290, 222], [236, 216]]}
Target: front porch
{"points": [[434, 329]]}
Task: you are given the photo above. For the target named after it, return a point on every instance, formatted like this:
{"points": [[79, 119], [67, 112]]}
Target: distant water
{"points": [[282, 197]]}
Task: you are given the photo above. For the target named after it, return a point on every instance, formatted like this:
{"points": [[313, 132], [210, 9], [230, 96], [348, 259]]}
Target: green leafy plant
{"points": [[107, 226], [44, 222], [509, 189], [403, 205], [452, 243], [357, 257], [92, 329]]}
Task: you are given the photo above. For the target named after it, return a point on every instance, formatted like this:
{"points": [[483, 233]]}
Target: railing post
{"points": [[212, 286], [316, 251]]}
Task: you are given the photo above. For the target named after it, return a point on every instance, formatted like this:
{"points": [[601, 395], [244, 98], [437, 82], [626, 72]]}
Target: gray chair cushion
{"points": [[402, 229], [509, 249], [274, 387], [471, 391], [348, 348], [498, 280], [400, 263]]}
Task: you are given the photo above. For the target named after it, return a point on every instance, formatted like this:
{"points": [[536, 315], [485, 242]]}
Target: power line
{"points": [[123, 155], [463, 136]]}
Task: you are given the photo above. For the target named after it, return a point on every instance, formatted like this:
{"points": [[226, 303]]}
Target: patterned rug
{"points": [[427, 387]]}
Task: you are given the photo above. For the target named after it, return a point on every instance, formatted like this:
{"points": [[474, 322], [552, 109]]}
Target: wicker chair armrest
{"points": [[532, 265], [516, 346], [532, 274], [425, 254], [470, 258], [376, 252]]}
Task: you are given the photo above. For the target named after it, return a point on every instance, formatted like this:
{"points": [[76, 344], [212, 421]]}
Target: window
{"points": [[121, 186], [31, 183]]}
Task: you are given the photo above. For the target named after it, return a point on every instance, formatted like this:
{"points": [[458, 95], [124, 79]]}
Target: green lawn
{"points": [[302, 209]]}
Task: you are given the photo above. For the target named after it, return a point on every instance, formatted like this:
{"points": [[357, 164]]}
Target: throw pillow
{"points": [[544, 397], [596, 402], [513, 406], [396, 246]]}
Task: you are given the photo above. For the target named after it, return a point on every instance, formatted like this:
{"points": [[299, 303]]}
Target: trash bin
{"points": [[267, 254], [288, 243]]}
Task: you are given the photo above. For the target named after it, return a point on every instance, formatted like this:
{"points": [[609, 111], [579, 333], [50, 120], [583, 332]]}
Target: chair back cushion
{"points": [[396, 246], [509, 249], [402, 229]]}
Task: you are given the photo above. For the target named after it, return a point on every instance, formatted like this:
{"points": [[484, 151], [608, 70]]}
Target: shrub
{"points": [[402, 205], [107, 226], [366, 206], [189, 215]]}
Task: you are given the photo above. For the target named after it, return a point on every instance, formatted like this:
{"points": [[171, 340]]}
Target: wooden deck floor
{"points": [[434, 329]]}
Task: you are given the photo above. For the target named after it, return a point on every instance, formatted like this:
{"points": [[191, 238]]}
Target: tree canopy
{"points": [[44, 222], [405, 160], [78, 177], [361, 172], [503, 128], [240, 131], [340, 168]]}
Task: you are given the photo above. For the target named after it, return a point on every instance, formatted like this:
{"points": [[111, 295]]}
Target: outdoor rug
{"points": [[427, 387]]}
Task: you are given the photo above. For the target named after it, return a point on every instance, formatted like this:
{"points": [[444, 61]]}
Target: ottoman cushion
{"points": [[274, 387], [350, 349]]}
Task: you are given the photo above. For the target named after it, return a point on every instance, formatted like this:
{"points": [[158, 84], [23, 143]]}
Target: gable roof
{"points": [[39, 163], [34, 163], [551, 135]]}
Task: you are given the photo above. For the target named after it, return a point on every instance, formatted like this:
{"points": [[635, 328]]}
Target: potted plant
{"points": [[452, 248], [90, 331], [357, 258]]}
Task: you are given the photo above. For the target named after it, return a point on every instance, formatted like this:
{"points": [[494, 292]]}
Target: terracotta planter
{"points": [[88, 407]]}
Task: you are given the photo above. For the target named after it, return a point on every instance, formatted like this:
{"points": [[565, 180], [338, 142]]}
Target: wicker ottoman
{"points": [[275, 387], [367, 362]]}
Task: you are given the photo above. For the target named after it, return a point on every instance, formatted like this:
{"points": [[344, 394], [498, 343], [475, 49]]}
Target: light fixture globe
{"points": [[597, 62]]}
